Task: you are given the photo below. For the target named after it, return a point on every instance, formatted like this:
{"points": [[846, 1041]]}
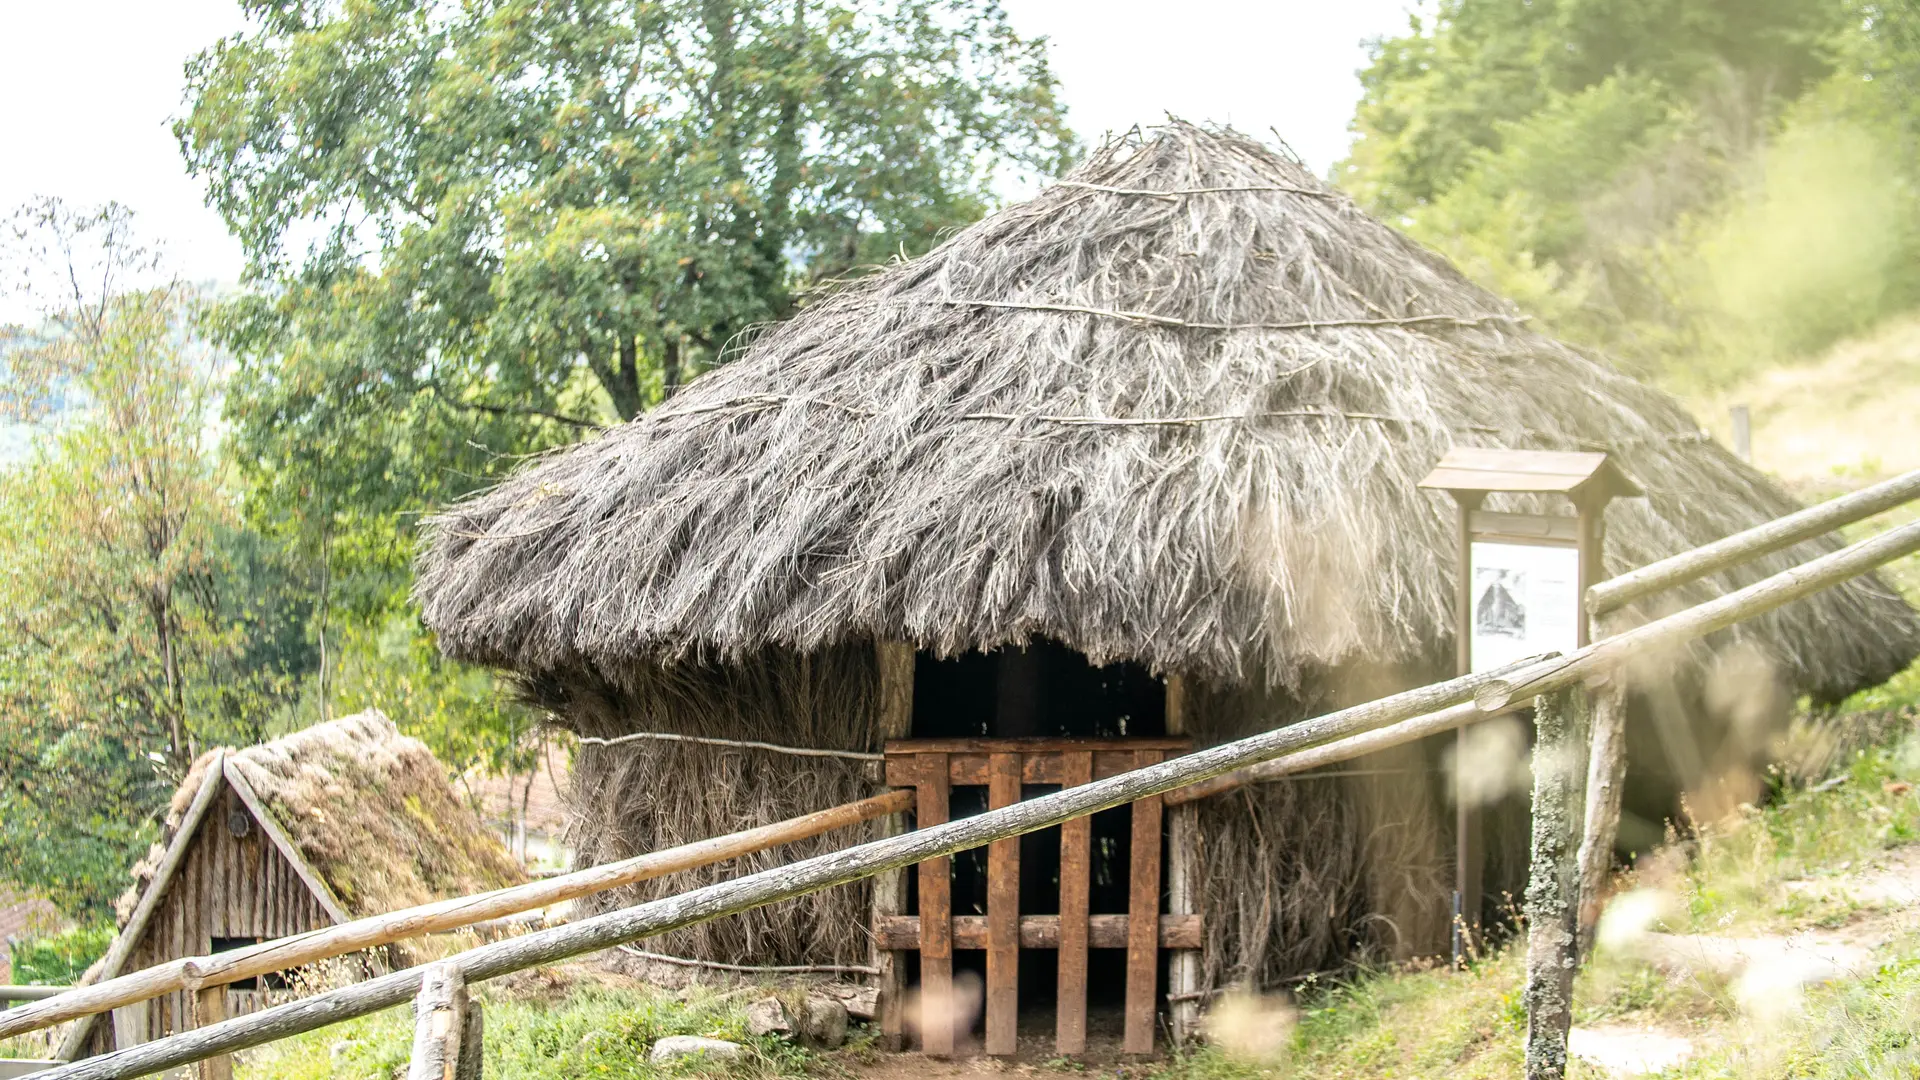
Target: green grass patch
{"points": [[592, 1032]]}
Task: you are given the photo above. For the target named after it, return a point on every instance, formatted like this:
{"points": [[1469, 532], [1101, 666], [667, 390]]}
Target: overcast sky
{"points": [[90, 86]]}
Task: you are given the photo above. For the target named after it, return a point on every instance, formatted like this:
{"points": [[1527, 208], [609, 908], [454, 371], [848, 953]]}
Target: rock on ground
{"points": [[678, 1047]]}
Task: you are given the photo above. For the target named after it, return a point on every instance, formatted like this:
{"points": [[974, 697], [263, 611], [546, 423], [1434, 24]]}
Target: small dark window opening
{"points": [[272, 980]]}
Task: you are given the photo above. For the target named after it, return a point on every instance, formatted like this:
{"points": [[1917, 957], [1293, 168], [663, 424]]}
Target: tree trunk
{"points": [[670, 368], [622, 379]]}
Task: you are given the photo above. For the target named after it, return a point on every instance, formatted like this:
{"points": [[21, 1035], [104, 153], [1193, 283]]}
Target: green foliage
{"points": [[593, 1032], [528, 221], [142, 622], [1698, 187], [61, 959]]}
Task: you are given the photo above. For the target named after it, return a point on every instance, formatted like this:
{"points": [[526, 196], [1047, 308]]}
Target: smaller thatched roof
{"points": [[369, 809]]}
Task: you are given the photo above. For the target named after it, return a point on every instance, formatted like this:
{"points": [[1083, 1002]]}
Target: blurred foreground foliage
{"points": [[1699, 187]]}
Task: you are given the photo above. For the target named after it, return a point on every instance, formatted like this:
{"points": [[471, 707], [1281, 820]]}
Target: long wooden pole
{"points": [[1347, 749], [756, 890], [1759, 540], [198, 972], [865, 860]]}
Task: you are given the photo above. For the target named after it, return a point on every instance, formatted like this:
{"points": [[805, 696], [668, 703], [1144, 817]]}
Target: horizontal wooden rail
{"points": [[30, 993], [1491, 695], [1617, 592], [1347, 749], [197, 972], [1040, 931], [756, 890], [1700, 620]]}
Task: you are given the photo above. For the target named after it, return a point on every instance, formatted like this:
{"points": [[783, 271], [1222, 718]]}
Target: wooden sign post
{"points": [[1521, 581]]}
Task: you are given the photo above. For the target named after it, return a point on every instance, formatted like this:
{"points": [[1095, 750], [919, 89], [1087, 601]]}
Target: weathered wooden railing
{"points": [[1559, 770], [1606, 771], [199, 974]]}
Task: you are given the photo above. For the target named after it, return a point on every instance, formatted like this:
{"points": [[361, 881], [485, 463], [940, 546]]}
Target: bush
{"points": [[61, 959]]}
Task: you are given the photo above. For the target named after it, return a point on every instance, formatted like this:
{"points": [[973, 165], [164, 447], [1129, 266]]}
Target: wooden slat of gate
{"points": [[1003, 913], [936, 912], [1143, 911], [1076, 836]]}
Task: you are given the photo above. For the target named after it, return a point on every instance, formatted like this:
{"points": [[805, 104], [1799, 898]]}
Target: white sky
{"points": [[91, 85]]}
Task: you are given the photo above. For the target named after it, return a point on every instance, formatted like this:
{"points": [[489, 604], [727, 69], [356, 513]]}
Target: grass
{"points": [[585, 1030]]}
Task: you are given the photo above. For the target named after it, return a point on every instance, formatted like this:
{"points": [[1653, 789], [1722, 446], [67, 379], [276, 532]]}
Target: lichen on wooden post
{"points": [[1553, 880]]}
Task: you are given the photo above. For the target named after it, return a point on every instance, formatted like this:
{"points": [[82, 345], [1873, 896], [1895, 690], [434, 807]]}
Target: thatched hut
{"points": [[1162, 423], [335, 822]]}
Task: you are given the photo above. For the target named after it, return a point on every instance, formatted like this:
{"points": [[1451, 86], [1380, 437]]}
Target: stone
{"points": [[769, 1016], [682, 1047], [823, 1022]]}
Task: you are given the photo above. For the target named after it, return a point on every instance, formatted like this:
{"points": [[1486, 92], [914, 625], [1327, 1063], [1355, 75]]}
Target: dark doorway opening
{"points": [[1045, 690]]}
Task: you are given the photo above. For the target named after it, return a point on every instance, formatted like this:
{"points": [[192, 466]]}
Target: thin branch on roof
{"points": [[762, 402], [799, 751], [1174, 193], [1183, 324]]}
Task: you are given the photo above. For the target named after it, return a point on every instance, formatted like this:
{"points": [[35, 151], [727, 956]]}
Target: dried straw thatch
{"points": [[1171, 411], [368, 808]]}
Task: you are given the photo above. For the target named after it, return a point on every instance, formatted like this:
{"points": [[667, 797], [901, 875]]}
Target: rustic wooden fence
{"points": [[1561, 686]]}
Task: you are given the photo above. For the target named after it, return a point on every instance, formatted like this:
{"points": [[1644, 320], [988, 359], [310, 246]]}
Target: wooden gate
{"points": [[933, 767]]}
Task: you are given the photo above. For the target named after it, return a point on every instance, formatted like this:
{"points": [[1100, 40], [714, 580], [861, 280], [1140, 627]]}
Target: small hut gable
{"points": [[338, 821]]}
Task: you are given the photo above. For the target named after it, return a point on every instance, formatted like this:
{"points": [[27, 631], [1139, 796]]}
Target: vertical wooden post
{"points": [[1606, 773], [1468, 858], [439, 1022], [210, 1007], [894, 720], [936, 914], [1183, 885], [1552, 902], [1742, 432], [1076, 874], [1003, 913], [1143, 918], [472, 1065]]}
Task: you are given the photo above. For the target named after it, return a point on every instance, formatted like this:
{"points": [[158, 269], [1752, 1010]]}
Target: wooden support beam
{"points": [[936, 914], [1003, 914], [439, 1024], [1553, 879], [473, 1041], [209, 1008], [1606, 774], [1184, 967], [1076, 875], [1143, 919], [895, 662]]}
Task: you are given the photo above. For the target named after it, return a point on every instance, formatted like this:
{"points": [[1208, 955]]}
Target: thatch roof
{"points": [[369, 809], [1173, 410]]}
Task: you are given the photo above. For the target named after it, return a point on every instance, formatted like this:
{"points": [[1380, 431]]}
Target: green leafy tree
{"points": [[1697, 186], [522, 220], [139, 622]]}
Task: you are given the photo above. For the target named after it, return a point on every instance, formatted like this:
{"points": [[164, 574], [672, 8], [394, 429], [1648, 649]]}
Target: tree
{"points": [[138, 620], [1696, 186], [529, 219]]}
